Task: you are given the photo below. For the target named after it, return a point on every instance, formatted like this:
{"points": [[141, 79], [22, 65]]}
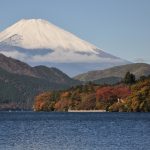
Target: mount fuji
{"points": [[39, 42]]}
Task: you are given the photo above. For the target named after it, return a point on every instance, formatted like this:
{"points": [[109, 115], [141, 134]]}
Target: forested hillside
{"points": [[128, 96], [19, 83]]}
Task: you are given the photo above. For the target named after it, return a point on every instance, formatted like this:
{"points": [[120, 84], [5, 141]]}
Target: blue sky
{"points": [[119, 27]]}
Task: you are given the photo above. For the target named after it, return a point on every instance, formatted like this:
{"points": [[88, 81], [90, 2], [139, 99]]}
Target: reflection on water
{"points": [[74, 131]]}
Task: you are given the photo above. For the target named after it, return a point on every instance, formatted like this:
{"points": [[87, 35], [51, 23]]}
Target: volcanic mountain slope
{"points": [[19, 82], [39, 42], [118, 72]]}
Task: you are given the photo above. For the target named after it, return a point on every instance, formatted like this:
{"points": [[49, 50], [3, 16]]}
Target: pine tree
{"points": [[129, 78]]}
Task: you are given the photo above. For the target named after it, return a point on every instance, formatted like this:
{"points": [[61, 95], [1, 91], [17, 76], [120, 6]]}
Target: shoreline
{"points": [[87, 111]]}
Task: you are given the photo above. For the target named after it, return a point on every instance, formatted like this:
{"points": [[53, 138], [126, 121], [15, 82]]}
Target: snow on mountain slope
{"points": [[37, 41], [38, 33]]}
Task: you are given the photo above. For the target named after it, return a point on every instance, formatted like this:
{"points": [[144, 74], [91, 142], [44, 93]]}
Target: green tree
{"points": [[129, 78]]}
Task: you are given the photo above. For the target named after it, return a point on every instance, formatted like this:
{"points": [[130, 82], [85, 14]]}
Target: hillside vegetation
{"points": [[138, 69], [128, 96], [19, 82]]}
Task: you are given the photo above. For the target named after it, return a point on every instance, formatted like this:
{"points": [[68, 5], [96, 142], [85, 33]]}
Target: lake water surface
{"points": [[74, 131]]}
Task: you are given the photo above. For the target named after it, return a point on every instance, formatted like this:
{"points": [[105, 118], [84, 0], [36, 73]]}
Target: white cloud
{"points": [[60, 57], [139, 60], [68, 57], [15, 54]]}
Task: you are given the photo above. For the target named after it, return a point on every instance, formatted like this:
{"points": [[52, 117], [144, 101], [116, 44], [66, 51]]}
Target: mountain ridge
{"points": [[138, 69]]}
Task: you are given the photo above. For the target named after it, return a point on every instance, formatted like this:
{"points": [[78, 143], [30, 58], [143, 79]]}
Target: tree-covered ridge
{"points": [[18, 91], [19, 82], [128, 96]]}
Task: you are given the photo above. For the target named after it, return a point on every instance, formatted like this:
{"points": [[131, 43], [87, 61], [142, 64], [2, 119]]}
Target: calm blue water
{"points": [[74, 131]]}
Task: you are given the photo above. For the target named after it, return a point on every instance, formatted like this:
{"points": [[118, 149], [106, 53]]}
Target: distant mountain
{"points": [[19, 82], [138, 69], [39, 42]]}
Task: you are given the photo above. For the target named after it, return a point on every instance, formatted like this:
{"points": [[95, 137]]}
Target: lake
{"points": [[74, 131]]}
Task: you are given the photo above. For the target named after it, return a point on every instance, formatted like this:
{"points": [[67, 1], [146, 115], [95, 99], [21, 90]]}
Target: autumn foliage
{"points": [[121, 97], [106, 96], [84, 97]]}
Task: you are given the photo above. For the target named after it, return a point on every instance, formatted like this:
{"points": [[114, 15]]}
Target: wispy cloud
{"points": [[140, 60], [59, 57], [15, 54]]}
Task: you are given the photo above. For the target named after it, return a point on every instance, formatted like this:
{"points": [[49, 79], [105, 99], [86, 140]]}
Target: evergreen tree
{"points": [[129, 78]]}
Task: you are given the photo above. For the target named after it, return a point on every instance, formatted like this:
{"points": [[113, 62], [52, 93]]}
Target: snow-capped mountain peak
{"points": [[38, 33]]}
